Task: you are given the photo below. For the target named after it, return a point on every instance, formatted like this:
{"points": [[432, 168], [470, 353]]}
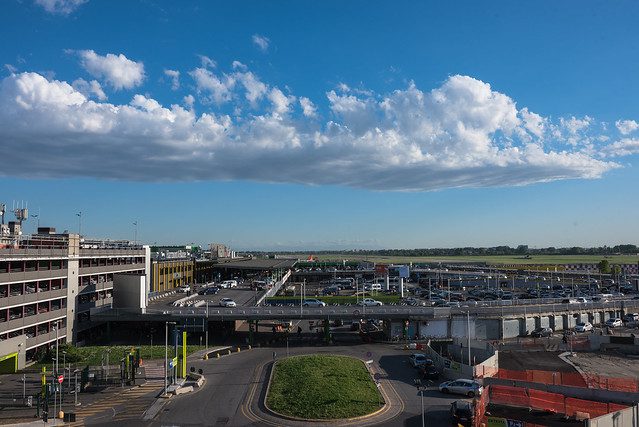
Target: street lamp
{"points": [[166, 355]]}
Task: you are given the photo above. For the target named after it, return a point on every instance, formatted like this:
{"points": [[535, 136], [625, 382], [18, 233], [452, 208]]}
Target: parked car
{"points": [[370, 302], [184, 289], [583, 327], [428, 372], [419, 359], [313, 302], [462, 412], [227, 302], [631, 317], [614, 322], [466, 387], [541, 332], [211, 291]]}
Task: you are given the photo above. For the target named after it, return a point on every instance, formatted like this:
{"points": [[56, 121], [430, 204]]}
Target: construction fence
{"points": [[550, 402], [572, 379]]}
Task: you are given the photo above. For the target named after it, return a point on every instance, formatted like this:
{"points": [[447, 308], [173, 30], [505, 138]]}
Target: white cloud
{"points": [[189, 100], [207, 62], [117, 70], [280, 101], [623, 147], [261, 42], [88, 89], [626, 127], [461, 134], [237, 65], [61, 7], [308, 108], [218, 90], [174, 75]]}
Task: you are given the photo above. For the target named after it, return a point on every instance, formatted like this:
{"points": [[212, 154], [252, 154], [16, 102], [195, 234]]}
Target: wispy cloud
{"points": [[60, 7], [261, 42]]}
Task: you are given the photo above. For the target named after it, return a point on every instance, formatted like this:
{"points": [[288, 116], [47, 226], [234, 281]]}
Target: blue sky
{"points": [[290, 125]]}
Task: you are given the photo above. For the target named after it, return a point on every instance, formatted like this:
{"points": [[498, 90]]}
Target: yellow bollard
{"points": [[249, 347], [238, 349], [206, 356], [217, 355]]}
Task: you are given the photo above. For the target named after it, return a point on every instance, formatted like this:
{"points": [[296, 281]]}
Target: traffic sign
{"points": [[60, 379], [173, 362]]}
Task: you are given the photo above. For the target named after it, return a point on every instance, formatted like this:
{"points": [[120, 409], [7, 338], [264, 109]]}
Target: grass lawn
{"points": [[494, 260], [323, 387], [96, 355]]}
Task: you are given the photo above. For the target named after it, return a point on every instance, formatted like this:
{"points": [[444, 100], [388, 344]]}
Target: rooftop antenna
{"points": [[21, 213]]}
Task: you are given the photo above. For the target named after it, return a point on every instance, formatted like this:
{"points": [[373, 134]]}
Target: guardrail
{"points": [[388, 311]]}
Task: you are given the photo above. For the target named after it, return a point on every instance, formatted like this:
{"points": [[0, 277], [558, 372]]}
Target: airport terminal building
{"points": [[51, 284]]}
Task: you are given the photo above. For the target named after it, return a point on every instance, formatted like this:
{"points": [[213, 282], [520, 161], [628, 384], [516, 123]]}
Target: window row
{"points": [[103, 262], [94, 296], [24, 288], [96, 279], [17, 266], [28, 310], [33, 331]]}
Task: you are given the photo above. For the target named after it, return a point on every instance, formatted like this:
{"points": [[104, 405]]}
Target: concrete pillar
{"points": [[386, 283], [401, 287]]}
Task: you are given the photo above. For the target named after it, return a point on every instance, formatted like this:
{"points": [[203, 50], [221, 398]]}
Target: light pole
{"points": [[79, 215], [135, 238], [64, 369], [166, 354], [468, 319]]}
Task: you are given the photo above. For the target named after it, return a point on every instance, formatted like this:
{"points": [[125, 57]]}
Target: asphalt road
{"points": [[229, 380], [242, 295]]}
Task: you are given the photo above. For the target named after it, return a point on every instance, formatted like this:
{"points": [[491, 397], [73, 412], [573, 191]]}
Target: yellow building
{"points": [[170, 274]]}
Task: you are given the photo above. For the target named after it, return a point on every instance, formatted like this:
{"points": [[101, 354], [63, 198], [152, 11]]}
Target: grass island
{"points": [[322, 387]]}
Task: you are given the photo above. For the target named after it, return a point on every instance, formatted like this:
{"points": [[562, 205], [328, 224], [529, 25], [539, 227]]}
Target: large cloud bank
{"points": [[461, 134]]}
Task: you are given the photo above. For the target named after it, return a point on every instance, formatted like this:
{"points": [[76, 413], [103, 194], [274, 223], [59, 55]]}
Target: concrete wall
{"points": [[557, 322], [434, 329], [543, 322], [72, 286], [129, 290], [488, 329], [15, 345], [512, 328], [627, 418], [459, 327]]}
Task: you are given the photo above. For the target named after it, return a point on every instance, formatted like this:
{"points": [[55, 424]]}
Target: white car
{"points": [[184, 289], [419, 359], [468, 388], [370, 302], [227, 302], [228, 284], [583, 327], [312, 302], [614, 323]]}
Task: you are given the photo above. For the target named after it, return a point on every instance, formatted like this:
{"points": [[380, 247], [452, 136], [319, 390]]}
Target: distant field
{"points": [[494, 260]]}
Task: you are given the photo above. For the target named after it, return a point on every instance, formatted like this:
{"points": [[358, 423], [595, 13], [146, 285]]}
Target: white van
{"points": [[229, 284]]}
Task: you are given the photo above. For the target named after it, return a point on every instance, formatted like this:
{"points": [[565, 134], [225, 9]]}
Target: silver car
{"points": [[227, 302], [468, 388]]}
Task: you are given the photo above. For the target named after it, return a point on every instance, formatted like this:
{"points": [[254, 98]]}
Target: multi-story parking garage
{"points": [[50, 284]]}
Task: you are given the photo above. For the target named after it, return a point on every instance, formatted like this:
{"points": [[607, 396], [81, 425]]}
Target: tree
{"points": [[616, 270], [604, 266]]}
